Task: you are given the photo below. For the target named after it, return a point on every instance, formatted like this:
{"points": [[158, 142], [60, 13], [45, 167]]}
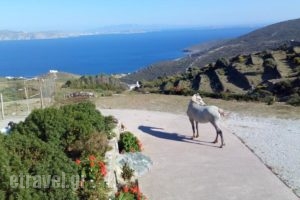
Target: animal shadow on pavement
{"points": [[159, 133]]}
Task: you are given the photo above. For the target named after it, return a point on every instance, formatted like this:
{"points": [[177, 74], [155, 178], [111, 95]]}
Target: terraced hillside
{"points": [[268, 75], [265, 38]]}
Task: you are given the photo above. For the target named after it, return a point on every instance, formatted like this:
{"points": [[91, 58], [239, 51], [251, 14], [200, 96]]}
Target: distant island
{"points": [[118, 29], [20, 35]]}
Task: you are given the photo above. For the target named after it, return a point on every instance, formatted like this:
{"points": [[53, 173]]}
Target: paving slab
{"points": [[197, 169]]}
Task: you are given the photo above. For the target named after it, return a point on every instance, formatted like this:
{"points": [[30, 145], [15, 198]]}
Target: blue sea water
{"points": [[115, 53]]}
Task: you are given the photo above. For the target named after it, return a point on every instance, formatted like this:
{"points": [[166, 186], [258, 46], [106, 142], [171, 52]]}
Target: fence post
{"points": [[2, 106], [26, 96], [41, 93]]}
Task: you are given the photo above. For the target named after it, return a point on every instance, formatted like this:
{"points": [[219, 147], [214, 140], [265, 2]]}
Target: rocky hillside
{"points": [[268, 75], [269, 37]]}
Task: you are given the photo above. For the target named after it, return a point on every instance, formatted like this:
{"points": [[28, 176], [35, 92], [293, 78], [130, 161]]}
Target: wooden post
{"points": [[41, 97], [41, 94], [2, 106], [27, 103]]}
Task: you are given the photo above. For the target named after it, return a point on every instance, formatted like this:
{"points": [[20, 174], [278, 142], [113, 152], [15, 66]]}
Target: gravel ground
{"points": [[275, 141]]}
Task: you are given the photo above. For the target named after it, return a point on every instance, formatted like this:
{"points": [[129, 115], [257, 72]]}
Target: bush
{"points": [[129, 143], [222, 62], [296, 60], [27, 155], [102, 82], [127, 172], [270, 63], [92, 172], [294, 100], [67, 125], [43, 145], [239, 59], [283, 88]]}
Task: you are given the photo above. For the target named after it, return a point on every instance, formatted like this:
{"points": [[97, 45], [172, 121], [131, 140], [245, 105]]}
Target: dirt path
{"points": [[196, 169]]}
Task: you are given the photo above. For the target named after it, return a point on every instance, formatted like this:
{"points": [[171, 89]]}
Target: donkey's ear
{"points": [[194, 98]]}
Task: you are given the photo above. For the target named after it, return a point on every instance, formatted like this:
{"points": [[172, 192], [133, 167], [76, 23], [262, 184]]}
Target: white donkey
{"points": [[198, 111]]}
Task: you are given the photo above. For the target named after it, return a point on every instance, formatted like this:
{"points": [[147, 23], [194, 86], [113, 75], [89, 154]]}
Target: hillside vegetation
{"points": [[267, 76], [98, 82], [269, 37]]}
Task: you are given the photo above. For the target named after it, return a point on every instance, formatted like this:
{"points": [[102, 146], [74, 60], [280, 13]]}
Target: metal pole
{"points": [[2, 106]]}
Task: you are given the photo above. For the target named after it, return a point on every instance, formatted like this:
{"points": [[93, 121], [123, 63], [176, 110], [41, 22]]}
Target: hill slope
{"points": [[266, 75], [268, 37]]}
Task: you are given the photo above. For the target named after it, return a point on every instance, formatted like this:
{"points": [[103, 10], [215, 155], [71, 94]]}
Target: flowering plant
{"points": [[91, 169], [131, 192], [92, 172], [129, 142]]}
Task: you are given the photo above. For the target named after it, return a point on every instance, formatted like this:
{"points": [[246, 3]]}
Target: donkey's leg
{"points": [[197, 129], [193, 127], [217, 130], [222, 140]]}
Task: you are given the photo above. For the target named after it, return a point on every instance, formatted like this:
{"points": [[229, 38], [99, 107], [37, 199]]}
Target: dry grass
{"points": [[178, 104], [167, 103]]}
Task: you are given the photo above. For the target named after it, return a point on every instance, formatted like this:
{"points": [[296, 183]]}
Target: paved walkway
{"points": [[196, 169]]}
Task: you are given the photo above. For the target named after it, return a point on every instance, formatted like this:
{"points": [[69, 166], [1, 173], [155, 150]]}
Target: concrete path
{"points": [[197, 169]]}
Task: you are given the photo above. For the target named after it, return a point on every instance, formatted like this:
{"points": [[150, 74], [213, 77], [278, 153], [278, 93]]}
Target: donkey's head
{"points": [[197, 99]]}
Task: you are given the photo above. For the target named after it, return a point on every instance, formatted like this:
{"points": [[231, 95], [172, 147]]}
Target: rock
{"points": [[136, 161]]}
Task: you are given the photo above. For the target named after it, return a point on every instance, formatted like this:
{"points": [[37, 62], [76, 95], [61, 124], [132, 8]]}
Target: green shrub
{"points": [[283, 88], [92, 171], [102, 82], [127, 172], [294, 100], [27, 155], [222, 62], [239, 59], [296, 60], [46, 143], [63, 127], [270, 63], [128, 142]]}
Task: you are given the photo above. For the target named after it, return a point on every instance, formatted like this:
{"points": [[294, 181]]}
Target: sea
{"points": [[104, 54]]}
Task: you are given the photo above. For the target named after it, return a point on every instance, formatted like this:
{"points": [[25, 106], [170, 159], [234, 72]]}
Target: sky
{"points": [[84, 15]]}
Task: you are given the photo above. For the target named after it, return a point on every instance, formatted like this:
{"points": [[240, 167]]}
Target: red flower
{"points": [[134, 189], [125, 189], [92, 158], [92, 164], [77, 162], [102, 170]]}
